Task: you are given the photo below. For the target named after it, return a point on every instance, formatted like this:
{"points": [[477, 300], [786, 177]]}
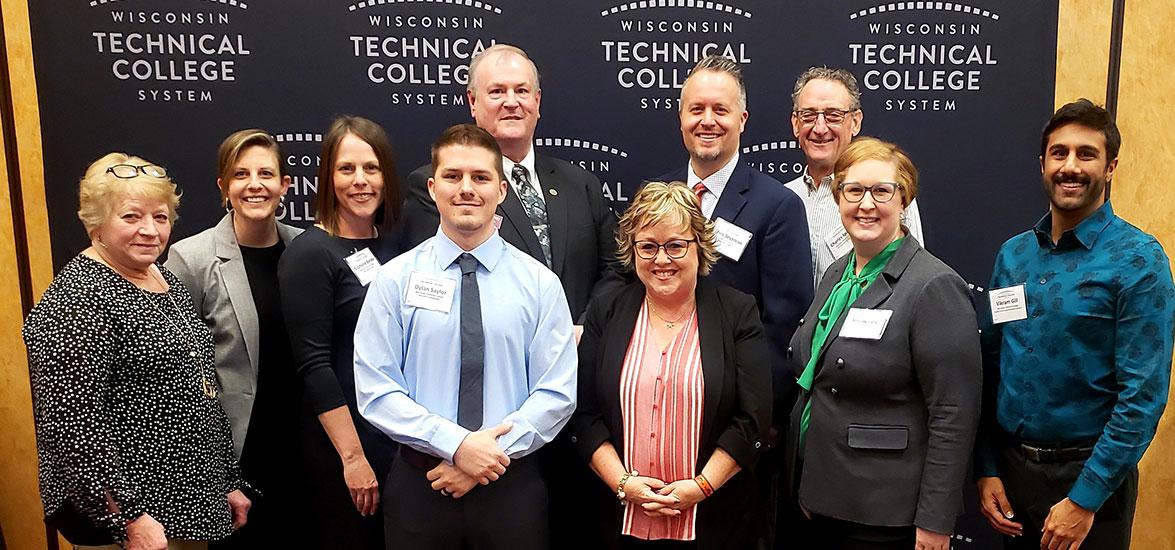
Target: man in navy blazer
{"points": [[760, 225]]}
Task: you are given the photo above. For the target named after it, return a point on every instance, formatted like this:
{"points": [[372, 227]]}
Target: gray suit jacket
{"points": [[209, 264], [893, 420]]}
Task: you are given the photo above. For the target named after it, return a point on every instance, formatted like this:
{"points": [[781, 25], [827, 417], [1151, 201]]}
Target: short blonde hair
{"points": [[672, 203], [871, 148], [100, 190]]}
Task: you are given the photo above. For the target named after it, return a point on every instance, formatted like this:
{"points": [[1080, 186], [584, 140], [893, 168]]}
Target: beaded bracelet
{"points": [[704, 485], [624, 479]]}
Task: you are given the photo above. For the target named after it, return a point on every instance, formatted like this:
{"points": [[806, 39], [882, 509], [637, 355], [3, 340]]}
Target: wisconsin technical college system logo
{"points": [[657, 42], [419, 50], [165, 53], [603, 160], [302, 157]]}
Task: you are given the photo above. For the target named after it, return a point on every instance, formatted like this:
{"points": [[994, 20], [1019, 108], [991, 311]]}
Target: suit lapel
{"points": [[514, 214], [555, 199], [713, 365], [733, 198], [236, 282]]}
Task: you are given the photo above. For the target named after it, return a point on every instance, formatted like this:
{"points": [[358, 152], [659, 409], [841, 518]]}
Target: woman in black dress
{"points": [[231, 272], [324, 276], [133, 444]]}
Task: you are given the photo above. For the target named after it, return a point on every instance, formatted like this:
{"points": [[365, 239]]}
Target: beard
{"points": [[1093, 188]]}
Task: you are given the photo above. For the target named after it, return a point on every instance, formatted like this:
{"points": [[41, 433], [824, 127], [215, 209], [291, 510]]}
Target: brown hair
{"points": [[232, 147], [325, 202], [870, 148], [671, 203], [99, 190], [469, 135]]}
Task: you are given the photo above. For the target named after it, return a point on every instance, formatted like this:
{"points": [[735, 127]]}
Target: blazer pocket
{"points": [[878, 438]]}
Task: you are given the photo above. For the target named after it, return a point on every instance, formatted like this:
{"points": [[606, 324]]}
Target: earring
{"points": [[100, 243]]}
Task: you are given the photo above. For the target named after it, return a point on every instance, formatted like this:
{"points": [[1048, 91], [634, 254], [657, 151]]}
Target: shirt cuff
{"points": [[447, 438], [1088, 493]]}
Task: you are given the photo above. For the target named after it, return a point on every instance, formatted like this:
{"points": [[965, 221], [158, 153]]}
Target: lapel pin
{"points": [[552, 192]]}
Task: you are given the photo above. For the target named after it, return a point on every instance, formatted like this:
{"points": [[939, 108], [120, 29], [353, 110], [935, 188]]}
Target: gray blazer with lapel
{"points": [[893, 420], [210, 266]]}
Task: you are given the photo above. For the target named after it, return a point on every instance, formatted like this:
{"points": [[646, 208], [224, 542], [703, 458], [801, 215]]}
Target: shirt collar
{"points": [[825, 182], [1085, 234], [487, 253], [717, 181], [527, 162]]}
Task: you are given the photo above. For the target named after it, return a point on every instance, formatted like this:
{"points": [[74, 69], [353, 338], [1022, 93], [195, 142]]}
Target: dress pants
{"points": [[836, 534], [510, 513], [1034, 487]]}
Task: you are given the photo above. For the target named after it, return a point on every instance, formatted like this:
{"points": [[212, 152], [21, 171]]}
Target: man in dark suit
{"points": [[554, 210], [761, 229]]}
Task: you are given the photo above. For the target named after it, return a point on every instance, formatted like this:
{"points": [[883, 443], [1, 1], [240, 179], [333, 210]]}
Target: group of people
{"points": [[489, 358]]}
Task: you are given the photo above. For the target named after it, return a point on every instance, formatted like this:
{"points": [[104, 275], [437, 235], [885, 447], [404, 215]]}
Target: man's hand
{"points": [[450, 480], [995, 507], [1066, 527], [929, 540], [239, 504], [362, 484], [144, 533], [479, 456]]}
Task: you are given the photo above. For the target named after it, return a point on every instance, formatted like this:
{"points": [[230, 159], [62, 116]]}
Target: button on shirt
{"points": [[824, 220], [528, 163], [408, 364], [715, 184], [1093, 358]]}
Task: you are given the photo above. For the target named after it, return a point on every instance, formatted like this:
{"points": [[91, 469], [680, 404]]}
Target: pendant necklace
{"points": [[208, 386], [669, 323]]}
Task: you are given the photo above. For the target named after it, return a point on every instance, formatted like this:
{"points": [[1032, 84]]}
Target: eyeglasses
{"points": [[832, 117], [675, 249], [127, 171], [882, 192]]}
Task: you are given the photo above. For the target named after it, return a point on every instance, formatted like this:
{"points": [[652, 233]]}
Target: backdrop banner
{"points": [[965, 88]]}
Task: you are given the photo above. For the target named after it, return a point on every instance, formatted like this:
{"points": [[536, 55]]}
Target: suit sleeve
{"points": [[609, 276], [588, 427], [420, 215], [786, 280], [178, 265], [944, 347], [743, 438]]}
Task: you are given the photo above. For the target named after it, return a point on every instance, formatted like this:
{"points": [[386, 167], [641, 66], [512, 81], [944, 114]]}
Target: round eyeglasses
{"points": [[882, 192], [675, 249]]}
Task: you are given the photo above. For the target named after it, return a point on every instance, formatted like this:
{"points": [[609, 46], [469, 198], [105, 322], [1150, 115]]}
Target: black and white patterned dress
{"points": [[122, 414]]}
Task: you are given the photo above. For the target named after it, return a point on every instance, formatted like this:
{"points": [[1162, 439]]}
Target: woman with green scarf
{"points": [[888, 364]]}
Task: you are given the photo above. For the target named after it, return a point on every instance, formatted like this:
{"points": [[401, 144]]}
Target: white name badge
{"points": [[430, 292], [838, 242], [364, 265], [1007, 304], [730, 240], [866, 324]]}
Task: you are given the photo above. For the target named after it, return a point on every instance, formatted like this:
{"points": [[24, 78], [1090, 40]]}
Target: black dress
{"points": [[124, 401], [321, 298]]}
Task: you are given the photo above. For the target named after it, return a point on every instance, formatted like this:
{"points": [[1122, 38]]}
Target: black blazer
{"points": [[583, 245], [776, 266], [893, 420], [735, 415]]}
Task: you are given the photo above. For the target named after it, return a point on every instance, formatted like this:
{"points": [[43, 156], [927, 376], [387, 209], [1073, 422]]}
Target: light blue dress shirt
{"points": [[408, 359]]}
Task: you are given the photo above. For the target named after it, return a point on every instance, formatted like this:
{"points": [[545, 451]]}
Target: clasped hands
{"points": [[657, 498], [478, 460]]}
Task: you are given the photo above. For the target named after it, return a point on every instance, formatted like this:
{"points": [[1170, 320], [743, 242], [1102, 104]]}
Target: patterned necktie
{"points": [[536, 210], [469, 396]]}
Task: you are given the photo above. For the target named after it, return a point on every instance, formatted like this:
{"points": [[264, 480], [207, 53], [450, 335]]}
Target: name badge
{"points": [[730, 240], [430, 292], [1007, 304], [364, 265], [498, 220], [838, 242], [865, 324]]}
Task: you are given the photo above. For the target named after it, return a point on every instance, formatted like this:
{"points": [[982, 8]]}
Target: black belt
{"points": [[1054, 452], [417, 459]]}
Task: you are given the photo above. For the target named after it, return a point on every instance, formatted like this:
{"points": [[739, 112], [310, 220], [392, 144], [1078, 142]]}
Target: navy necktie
{"points": [[469, 397]]}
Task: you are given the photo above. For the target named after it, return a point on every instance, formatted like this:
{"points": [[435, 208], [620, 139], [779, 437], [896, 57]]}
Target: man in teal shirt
{"points": [[1078, 357]]}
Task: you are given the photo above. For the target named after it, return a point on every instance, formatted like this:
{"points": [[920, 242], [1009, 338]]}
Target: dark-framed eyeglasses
{"points": [[127, 171], [832, 117], [882, 192], [675, 249]]}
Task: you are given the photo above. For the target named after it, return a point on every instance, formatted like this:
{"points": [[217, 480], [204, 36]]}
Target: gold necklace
{"points": [[669, 323], [208, 386]]}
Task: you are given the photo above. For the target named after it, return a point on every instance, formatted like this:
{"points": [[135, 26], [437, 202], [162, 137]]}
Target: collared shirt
{"points": [[1093, 359], [715, 183], [528, 163], [408, 359], [830, 241]]}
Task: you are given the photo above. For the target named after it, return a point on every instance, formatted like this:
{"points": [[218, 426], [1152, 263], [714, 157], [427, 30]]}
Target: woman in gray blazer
{"points": [[231, 272], [888, 363]]}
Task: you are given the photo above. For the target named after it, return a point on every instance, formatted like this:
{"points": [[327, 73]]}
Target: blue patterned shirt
{"points": [[1093, 359]]}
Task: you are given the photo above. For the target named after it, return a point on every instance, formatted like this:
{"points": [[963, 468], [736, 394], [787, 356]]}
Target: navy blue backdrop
{"points": [[964, 87]]}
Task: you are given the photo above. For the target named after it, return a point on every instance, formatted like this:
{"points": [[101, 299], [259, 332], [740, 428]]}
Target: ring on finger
{"points": [[445, 492]]}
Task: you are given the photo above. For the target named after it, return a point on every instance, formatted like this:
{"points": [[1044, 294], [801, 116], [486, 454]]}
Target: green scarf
{"points": [[842, 296]]}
